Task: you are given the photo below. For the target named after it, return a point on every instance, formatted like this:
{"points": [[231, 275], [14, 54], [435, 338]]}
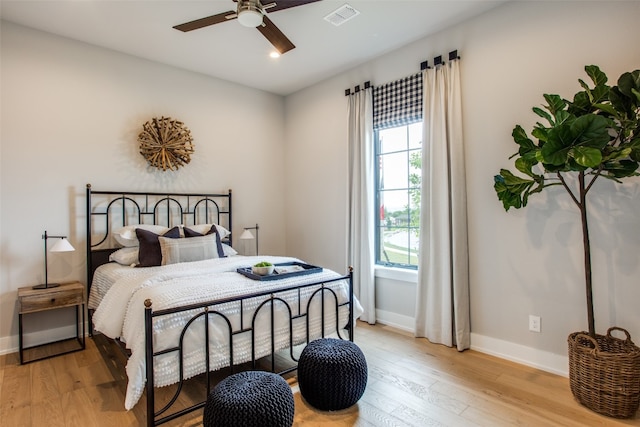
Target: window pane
{"points": [[393, 139], [415, 135], [415, 168], [394, 171], [397, 246], [399, 157], [394, 205]]}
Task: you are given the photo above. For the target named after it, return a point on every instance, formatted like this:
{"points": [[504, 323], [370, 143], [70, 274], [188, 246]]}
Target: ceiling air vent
{"points": [[342, 15]]}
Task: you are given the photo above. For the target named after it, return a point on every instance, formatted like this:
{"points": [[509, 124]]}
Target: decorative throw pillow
{"points": [[188, 232], [188, 250], [125, 256], [205, 228], [126, 236], [228, 250], [150, 254]]}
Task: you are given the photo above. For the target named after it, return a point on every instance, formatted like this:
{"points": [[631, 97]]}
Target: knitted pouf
{"points": [[248, 399], [332, 374]]}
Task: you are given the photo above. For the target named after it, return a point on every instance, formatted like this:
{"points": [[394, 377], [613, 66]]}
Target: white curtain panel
{"points": [[361, 201], [442, 306]]}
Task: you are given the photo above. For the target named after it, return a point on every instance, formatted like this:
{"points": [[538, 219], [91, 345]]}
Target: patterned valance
{"points": [[398, 103]]}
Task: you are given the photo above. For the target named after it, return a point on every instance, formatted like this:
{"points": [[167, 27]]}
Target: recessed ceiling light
{"points": [[275, 54]]}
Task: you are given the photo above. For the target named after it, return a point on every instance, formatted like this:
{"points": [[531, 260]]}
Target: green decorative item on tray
{"points": [[263, 268], [595, 135]]}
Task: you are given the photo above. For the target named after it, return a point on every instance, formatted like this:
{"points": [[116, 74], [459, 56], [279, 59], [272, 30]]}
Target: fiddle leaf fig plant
{"points": [[597, 134]]}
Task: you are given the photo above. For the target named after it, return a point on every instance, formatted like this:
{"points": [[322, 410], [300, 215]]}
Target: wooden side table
{"points": [[34, 300]]}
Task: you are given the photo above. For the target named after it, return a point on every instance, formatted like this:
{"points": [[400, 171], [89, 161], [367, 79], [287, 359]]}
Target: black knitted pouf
{"points": [[332, 374], [250, 399]]}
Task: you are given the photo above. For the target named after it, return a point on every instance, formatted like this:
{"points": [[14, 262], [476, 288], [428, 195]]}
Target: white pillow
{"points": [[228, 250], [126, 236], [204, 229], [125, 256], [188, 250]]}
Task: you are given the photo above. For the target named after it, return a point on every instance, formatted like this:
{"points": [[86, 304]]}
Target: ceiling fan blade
{"points": [[286, 4], [205, 22], [275, 36]]}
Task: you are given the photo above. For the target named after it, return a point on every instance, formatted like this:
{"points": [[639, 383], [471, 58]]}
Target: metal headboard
{"points": [[110, 210]]}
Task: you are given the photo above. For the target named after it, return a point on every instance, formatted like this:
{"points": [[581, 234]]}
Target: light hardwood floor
{"points": [[411, 383]]}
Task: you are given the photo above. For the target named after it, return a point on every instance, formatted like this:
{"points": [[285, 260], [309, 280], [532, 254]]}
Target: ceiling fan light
{"points": [[250, 18]]}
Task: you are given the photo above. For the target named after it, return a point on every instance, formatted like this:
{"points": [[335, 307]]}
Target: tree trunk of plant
{"points": [[587, 254]]}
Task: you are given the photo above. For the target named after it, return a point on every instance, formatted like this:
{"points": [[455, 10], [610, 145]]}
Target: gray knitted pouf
{"points": [[250, 399], [332, 374]]}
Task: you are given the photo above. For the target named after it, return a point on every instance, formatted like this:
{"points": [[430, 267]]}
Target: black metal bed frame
{"points": [[159, 205]]}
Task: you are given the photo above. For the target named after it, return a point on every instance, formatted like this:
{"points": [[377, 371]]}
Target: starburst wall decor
{"points": [[166, 143]]}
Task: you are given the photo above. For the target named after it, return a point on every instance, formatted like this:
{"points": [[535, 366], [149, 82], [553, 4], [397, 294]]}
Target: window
{"points": [[398, 154], [397, 123]]}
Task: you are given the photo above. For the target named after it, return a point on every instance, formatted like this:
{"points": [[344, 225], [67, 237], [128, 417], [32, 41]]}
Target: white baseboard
{"points": [[10, 344], [395, 320], [529, 356], [540, 359]]}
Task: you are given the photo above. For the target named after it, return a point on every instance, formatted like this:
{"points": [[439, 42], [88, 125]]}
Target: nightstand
{"points": [[35, 300]]}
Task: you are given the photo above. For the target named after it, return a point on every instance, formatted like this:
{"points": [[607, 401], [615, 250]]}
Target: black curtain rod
{"points": [[453, 55], [356, 89]]}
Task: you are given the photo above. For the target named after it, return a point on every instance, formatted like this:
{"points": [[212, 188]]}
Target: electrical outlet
{"points": [[534, 323]]}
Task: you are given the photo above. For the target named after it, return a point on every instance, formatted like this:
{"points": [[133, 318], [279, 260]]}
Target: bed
{"points": [[165, 283]]}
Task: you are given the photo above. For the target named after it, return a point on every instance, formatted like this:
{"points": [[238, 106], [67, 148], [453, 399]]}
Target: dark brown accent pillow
{"points": [[191, 233], [149, 254]]}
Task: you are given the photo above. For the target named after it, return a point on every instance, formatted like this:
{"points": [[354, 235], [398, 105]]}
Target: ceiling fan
{"points": [[252, 13]]}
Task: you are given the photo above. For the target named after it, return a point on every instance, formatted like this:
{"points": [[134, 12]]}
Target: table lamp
{"points": [[61, 245], [247, 235]]}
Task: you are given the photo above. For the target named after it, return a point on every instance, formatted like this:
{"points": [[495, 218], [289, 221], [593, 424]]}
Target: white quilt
{"points": [[121, 314]]}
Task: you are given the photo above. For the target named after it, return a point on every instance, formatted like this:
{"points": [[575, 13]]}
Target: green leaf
{"points": [[549, 168], [563, 116], [554, 103], [573, 166], [581, 104], [618, 154], [584, 85], [622, 168], [587, 156], [607, 108], [622, 103], [628, 82], [525, 165], [521, 138], [556, 150], [539, 111], [540, 132], [590, 131], [510, 189], [597, 76], [600, 94]]}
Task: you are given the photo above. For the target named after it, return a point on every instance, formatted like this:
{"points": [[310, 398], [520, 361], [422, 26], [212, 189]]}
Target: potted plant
{"points": [[596, 135]]}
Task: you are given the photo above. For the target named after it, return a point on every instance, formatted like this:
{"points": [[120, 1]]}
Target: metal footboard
{"points": [[210, 309]]}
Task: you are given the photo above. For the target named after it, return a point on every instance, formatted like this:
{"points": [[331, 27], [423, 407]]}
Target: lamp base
{"points": [[46, 286]]}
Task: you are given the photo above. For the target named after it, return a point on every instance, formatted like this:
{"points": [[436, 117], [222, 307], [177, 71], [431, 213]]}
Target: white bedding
{"points": [[120, 293]]}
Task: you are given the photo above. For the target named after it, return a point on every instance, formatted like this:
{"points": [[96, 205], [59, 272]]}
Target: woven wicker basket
{"points": [[604, 373]]}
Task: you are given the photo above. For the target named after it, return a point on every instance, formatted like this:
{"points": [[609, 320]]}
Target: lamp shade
{"points": [[250, 18], [246, 235], [62, 245]]}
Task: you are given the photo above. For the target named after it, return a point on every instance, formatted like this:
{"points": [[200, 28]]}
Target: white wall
{"points": [[523, 262], [71, 114]]}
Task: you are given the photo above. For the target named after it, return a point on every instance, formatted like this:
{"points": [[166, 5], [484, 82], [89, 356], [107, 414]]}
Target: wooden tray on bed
{"points": [[297, 269]]}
